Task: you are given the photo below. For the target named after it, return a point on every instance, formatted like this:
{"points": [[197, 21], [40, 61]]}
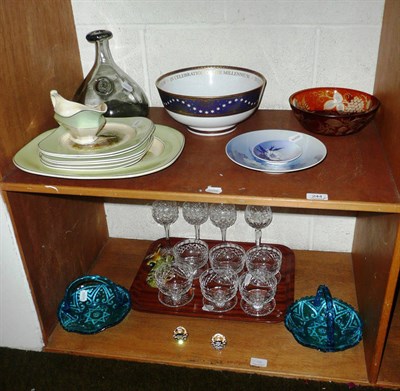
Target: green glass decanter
{"points": [[108, 83]]}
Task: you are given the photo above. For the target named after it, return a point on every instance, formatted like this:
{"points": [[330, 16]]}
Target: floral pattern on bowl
{"points": [[277, 151], [333, 111]]}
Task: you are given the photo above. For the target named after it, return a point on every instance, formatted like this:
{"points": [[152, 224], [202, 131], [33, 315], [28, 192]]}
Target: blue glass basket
{"points": [[93, 303], [324, 323]]}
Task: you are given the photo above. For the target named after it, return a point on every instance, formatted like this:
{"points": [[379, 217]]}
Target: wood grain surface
{"points": [[145, 298]]}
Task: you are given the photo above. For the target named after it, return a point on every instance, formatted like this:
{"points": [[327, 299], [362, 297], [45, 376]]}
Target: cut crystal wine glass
{"points": [[219, 290], [257, 294], [226, 255], [258, 217], [193, 253], [264, 261], [195, 213], [165, 213], [174, 283], [223, 216]]}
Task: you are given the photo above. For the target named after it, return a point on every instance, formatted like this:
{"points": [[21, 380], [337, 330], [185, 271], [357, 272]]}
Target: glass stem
{"points": [[223, 233], [197, 231], [166, 227], [258, 237], [175, 298]]}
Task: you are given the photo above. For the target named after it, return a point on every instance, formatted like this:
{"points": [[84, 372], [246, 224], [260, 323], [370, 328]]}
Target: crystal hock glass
{"points": [[165, 213], [258, 217], [223, 216], [195, 213]]}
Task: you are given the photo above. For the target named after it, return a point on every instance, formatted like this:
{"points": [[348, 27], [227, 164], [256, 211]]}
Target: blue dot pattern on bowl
{"points": [[211, 107], [92, 304]]}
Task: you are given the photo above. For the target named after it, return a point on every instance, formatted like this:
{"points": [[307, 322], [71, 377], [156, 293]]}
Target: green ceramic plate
{"points": [[162, 154], [127, 134]]}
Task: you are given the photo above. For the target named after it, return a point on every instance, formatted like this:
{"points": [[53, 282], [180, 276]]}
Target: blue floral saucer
{"points": [[93, 303], [249, 150]]}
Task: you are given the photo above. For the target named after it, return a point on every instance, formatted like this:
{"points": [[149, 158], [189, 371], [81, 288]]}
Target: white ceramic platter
{"points": [[161, 155], [123, 134], [240, 150]]}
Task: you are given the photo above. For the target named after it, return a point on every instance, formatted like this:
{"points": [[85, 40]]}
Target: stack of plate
{"points": [[121, 143]]}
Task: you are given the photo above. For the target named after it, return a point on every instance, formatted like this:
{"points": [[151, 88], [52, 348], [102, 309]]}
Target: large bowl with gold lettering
{"points": [[211, 100]]}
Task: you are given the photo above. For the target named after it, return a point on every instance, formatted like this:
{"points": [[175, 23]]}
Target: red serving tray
{"points": [[145, 298]]}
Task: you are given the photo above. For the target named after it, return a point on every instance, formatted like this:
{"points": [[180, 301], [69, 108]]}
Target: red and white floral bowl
{"points": [[333, 111]]}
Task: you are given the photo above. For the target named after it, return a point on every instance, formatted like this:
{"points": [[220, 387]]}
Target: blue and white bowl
{"points": [[277, 151], [211, 100]]}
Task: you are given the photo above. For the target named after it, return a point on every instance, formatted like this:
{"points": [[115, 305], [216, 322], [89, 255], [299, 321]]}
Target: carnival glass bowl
{"points": [[211, 100], [324, 323], [93, 303], [333, 111]]}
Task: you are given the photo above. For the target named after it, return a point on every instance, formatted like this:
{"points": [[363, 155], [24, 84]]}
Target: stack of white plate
{"points": [[121, 143]]}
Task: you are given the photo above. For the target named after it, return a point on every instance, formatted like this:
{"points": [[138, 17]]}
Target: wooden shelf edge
{"points": [[389, 375], [355, 174], [216, 367], [106, 192]]}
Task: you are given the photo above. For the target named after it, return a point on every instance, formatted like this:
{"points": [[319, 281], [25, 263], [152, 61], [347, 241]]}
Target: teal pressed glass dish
{"points": [[324, 323], [93, 303]]}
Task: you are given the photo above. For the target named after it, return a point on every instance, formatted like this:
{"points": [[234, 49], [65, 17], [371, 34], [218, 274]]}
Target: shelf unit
{"points": [[61, 229]]}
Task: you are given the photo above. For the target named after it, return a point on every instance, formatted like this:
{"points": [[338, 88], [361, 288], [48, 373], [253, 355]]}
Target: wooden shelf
{"points": [[61, 226], [355, 174], [147, 337]]}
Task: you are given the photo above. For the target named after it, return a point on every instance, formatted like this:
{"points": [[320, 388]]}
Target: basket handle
{"points": [[324, 293]]}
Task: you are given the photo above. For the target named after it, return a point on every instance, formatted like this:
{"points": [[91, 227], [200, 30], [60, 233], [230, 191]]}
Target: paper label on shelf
{"points": [[258, 362], [317, 196], [83, 295], [214, 189]]}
